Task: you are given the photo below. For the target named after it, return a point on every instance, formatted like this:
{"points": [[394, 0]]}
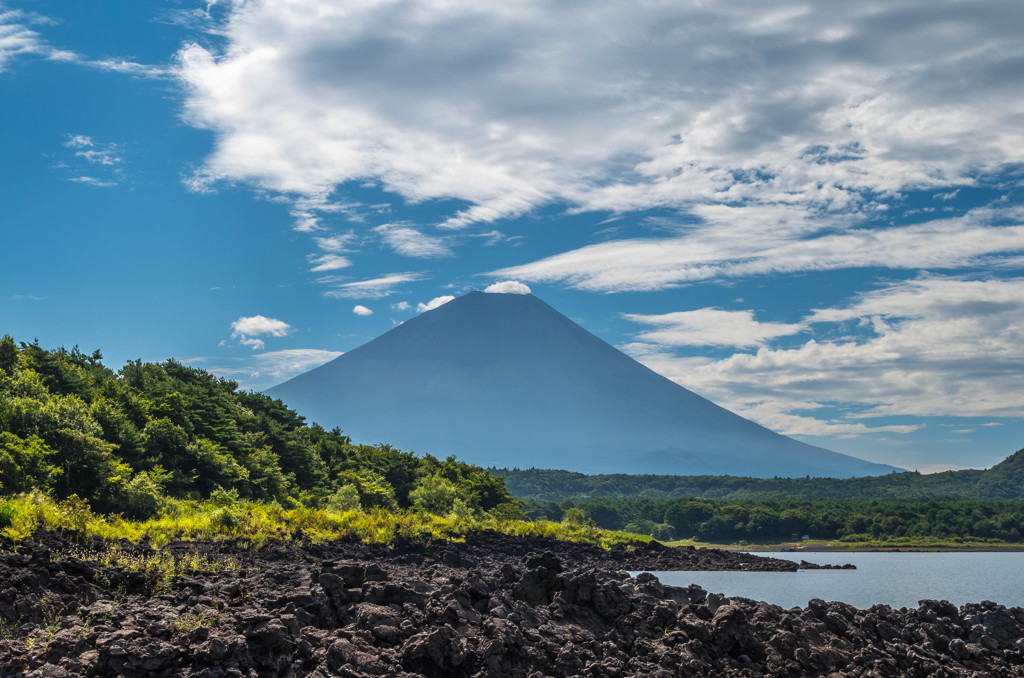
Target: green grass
{"points": [[253, 524]]}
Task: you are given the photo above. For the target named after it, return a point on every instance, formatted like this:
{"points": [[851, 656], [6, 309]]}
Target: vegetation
{"points": [[128, 442], [775, 520], [1001, 482], [249, 523], [163, 452]]}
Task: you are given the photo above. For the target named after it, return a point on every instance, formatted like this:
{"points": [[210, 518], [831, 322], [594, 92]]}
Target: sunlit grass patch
{"points": [[252, 523]]}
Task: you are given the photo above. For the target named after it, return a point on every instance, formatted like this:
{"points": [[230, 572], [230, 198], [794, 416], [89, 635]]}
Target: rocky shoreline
{"points": [[493, 606]]}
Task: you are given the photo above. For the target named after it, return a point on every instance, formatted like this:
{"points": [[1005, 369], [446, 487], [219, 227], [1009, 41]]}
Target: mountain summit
{"points": [[506, 380]]}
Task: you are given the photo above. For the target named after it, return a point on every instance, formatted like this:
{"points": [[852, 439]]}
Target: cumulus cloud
{"points": [[710, 327], [610, 106], [374, 288], [507, 287], [359, 309], [433, 303], [411, 243], [400, 306], [932, 346], [248, 330]]}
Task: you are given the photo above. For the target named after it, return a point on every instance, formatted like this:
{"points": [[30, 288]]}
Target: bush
{"points": [[461, 512], [345, 499], [434, 494], [574, 516]]}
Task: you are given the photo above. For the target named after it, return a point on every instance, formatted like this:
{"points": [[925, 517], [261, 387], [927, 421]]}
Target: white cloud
{"points": [[336, 244], [288, 363], [411, 243], [93, 181], [359, 309], [375, 288], [248, 329], [933, 346], [400, 306], [710, 327], [434, 303], [738, 241], [328, 262], [92, 156], [613, 106], [17, 39], [507, 287]]}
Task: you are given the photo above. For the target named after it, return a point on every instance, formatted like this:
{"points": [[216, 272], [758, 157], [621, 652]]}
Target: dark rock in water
{"points": [[510, 606]]}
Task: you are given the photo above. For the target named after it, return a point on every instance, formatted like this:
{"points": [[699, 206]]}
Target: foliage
{"points": [[1003, 481], [434, 494], [773, 520], [241, 521], [130, 441]]}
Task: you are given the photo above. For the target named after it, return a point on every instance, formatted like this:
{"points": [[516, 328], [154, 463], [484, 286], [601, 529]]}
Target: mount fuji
{"points": [[505, 380]]}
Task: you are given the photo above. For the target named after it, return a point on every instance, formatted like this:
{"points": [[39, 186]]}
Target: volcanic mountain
{"points": [[505, 380]]}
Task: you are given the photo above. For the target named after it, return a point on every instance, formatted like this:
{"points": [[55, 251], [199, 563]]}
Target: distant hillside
{"points": [[1005, 481]]}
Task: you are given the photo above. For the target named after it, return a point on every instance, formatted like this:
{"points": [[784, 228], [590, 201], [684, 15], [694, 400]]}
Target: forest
{"points": [[127, 442], [1001, 482], [777, 520]]}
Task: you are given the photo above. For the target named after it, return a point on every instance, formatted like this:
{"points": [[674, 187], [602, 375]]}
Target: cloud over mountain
{"points": [[610, 106]]}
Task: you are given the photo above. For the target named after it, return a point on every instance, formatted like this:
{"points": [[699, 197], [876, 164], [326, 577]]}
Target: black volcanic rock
{"points": [[505, 380], [514, 607]]}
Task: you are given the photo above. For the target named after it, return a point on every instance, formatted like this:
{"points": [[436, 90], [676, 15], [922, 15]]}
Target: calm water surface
{"points": [[895, 579]]}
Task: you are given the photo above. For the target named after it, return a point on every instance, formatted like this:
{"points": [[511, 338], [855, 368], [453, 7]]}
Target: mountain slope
{"points": [[504, 379]]}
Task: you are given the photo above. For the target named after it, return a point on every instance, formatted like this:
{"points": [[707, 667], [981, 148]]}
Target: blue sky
{"points": [[808, 212]]}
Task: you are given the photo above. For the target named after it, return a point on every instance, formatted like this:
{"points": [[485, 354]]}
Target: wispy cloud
{"points": [[710, 327], [328, 262], [18, 39], [291, 362], [374, 288], [93, 152], [93, 181], [90, 158], [411, 243], [336, 243], [719, 249]]}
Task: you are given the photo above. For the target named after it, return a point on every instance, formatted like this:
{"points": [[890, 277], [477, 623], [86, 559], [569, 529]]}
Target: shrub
{"points": [[434, 494], [345, 499]]}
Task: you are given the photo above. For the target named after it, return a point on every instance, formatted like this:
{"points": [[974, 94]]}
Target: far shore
{"points": [[795, 548]]}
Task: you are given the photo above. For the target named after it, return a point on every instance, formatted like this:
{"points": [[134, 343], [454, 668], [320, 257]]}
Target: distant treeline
{"points": [[774, 520], [1002, 482]]}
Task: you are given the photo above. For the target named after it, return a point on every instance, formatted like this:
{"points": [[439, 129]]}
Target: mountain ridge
{"points": [[505, 379]]}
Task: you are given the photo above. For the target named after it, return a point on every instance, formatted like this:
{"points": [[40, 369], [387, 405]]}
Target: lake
{"points": [[897, 579]]}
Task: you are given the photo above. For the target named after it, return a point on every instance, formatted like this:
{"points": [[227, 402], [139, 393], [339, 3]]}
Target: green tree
{"points": [[434, 494]]}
